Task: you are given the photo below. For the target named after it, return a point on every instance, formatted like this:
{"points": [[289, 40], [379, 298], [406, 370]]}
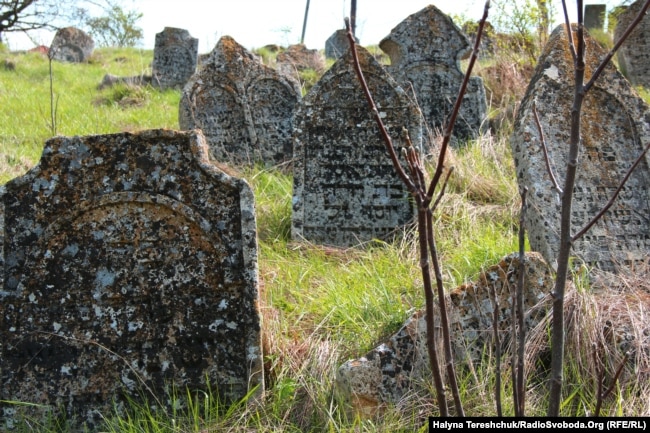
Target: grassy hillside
{"points": [[320, 306]]}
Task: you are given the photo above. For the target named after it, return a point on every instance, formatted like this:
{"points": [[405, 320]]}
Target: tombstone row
{"points": [[129, 261]]}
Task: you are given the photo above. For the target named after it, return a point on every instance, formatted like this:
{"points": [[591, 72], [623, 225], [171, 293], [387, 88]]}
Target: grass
{"points": [[322, 306]]}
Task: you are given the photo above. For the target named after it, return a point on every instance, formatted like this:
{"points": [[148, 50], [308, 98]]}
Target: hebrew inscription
{"points": [[346, 190], [615, 130]]}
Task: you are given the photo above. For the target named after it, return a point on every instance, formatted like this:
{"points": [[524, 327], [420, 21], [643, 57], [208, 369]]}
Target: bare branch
{"points": [[556, 185], [444, 320], [609, 204], [456, 109], [567, 23], [442, 190], [497, 345], [518, 306], [375, 112], [617, 45], [425, 233]]}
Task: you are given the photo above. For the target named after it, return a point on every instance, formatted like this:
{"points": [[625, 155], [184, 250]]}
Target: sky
{"points": [[255, 23]]}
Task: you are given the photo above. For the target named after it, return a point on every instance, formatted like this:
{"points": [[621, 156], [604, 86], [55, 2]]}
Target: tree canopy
{"points": [[26, 15], [105, 20]]}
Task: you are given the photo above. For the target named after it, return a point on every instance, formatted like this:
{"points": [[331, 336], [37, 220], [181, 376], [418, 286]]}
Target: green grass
{"points": [[320, 306]]}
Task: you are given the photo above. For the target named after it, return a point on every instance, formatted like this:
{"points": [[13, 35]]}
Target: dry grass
{"points": [[607, 326]]}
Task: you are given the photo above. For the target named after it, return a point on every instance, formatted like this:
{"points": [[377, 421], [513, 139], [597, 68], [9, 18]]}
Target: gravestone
{"points": [[301, 58], [71, 45], [595, 17], [245, 109], [634, 55], [337, 44], [425, 52], [346, 190], [129, 268], [400, 364], [174, 57], [298, 58], [615, 128]]}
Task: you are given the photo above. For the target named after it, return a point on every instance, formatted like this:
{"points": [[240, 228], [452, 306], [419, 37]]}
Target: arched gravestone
{"points": [[129, 266], [634, 55], [615, 128], [346, 190], [174, 57], [245, 109], [71, 45], [425, 52]]}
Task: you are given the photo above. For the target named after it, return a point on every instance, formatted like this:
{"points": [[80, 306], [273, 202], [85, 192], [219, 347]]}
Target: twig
{"points": [[520, 404], [53, 107], [375, 112], [444, 320], [567, 23], [600, 395], [117, 355], [617, 45], [456, 109], [497, 348], [609, 204], [566, 240], [542, 139]]}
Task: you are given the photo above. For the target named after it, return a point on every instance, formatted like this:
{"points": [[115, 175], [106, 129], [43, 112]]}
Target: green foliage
{"points": [[523, 26], [25, 118], [117, 28]]}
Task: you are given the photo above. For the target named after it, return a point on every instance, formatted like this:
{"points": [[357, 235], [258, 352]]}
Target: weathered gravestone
{"points": [[425, 52], [634, 55], [129, 267], [301, 58], [595, 17], [298, 58], [346, 190], [245, 109], [615, 129], [71, 45], [174, 57], [337, 44], [401, 364]]}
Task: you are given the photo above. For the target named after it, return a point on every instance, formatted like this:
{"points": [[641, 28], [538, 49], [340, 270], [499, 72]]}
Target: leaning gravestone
{"points": [[71, 45], [129, 268], [615, 129], [634, 55], [400, 364], [346, 190], [245, 109], [425, 52], [174, 57]]}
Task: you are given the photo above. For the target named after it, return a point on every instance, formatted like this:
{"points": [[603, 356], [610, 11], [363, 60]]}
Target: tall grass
{"points": [[319, 306]]}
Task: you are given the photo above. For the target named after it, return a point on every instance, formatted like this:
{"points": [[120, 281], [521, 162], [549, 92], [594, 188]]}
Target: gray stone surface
{"points": [[174, 57], [346, 190], [71, 45], [129, 265], [615, 129], [337, 44], [425, 52], [401, 364], [245, 109], [634, 55]]}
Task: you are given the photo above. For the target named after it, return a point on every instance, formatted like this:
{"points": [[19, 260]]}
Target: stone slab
{"points": [[128, 267]]}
